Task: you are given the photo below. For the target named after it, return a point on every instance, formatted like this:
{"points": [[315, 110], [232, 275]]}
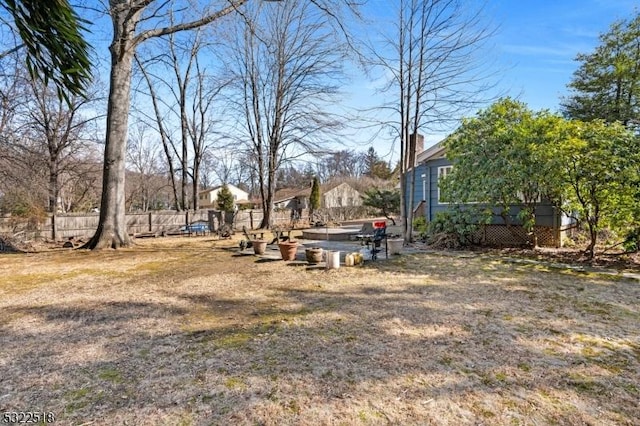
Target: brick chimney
{"points": [[416, 142]]}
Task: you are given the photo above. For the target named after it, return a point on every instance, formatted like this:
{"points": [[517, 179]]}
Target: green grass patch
{"points": [[110, 374], [234, 383], [78, 399]]}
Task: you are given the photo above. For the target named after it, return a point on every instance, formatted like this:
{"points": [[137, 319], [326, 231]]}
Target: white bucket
{"points": [[395, 246], [333, 259]]}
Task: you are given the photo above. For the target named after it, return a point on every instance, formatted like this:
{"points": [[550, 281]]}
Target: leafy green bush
{"points": [[420, 227], [455, 228], [632, 241]]}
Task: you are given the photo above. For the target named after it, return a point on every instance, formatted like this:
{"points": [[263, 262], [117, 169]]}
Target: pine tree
{"points": [[386, 201], [225, 199], [314, 198], [374, 166], [607, 84]]}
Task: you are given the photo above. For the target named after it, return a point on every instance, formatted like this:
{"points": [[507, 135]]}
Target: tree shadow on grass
{"points": [[318, 354]]}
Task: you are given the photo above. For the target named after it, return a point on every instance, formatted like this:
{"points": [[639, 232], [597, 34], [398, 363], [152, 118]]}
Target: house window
{"points": [[339, 201], [442, 173], [350, 201]]}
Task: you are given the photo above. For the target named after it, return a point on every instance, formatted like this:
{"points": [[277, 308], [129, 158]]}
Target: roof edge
{"points": [[434, 151]]}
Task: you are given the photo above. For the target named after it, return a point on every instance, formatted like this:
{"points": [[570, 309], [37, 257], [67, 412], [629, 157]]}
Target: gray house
{"points": [[432, 165], [332, 195]]}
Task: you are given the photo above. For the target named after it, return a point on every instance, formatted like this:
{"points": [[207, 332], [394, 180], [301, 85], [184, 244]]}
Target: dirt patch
{"points": [[613, 260], [10, 243], [187, 331]]}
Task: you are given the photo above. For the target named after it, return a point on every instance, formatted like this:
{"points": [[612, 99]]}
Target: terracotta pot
{"points": [[314, 255], [288, 250], [259, 246]]}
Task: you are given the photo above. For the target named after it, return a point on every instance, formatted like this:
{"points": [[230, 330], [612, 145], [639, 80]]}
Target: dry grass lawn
{"points": [[181, 331]]}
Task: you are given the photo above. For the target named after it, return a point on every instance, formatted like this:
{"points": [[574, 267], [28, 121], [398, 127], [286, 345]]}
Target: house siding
{"points": [[425, 196], [545, 213], [209, 198], [342, 195], [426, 187]]}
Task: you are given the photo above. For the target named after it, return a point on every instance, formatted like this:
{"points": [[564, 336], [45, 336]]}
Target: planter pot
{"points": [[395, 246], [288, 250], [259, 246], [314, 255], [333, 259]]}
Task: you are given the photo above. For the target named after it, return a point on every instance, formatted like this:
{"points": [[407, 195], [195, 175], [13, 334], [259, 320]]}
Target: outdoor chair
{"points": [[373, 235]]}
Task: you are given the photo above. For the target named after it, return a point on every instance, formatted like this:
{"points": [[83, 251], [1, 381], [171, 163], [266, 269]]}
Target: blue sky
{"points": [[534, 49], [538, 41]]}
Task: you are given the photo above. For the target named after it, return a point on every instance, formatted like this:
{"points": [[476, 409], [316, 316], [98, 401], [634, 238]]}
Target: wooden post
{"points": [[150, 222], [54, 232]]}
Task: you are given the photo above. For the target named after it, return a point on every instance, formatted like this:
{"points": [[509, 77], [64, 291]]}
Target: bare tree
{"points": [[342, 163], [43, 135], [287, 64], [80, 185], [294, 176], [168, 145], [134, 22], [436, 69], [201, 122], [184, 97], [143, 158], [56, 127], [13, 92]]}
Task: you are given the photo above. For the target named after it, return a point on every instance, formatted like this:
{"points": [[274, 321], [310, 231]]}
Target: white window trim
{"points": [[443, 171]]}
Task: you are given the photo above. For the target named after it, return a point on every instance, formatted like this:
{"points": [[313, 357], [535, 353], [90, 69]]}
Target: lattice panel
{"points": [[500, 235], [546, 236]]}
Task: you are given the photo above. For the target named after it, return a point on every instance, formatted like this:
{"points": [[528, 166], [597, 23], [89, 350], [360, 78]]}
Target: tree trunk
{"points": [[112, 228], [413, 138], [125, 16], [593, 234], [184, 199], [196, 184], [54, 190], [267, 218]]}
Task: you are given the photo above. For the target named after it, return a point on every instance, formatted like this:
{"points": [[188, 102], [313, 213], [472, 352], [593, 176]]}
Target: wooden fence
{"points": [[84, 225], [64, 226]]}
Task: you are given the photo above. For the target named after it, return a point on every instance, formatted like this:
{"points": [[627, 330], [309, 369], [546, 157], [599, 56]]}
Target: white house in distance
{"points": [[209, 197], [332, 195]]}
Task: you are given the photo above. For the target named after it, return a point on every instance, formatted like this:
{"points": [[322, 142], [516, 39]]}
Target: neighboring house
{"points": [[209, 197], [432, 165], [340, 195], [331, 196], [292, 199]]}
